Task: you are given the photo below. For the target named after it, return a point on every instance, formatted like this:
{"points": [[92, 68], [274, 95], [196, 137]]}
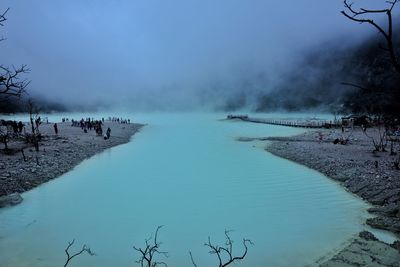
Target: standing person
{"points": [[38, 121], [20, 126], [14, 126], [55, 128], [320, 137], [108, 133]]}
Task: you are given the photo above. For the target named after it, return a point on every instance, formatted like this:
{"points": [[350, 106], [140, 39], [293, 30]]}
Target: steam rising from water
{"points": [[147, 55]]}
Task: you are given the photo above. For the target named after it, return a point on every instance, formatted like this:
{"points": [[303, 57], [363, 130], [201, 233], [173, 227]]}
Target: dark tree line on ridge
{"points": [[361, 79], [378, 92]]}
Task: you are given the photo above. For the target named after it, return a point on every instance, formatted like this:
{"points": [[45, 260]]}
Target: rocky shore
{"points": [[57, 155], [368, 174], [366, 250]]}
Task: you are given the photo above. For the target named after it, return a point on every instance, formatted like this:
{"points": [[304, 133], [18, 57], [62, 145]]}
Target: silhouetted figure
{"points": [[99, 130], [108, 134], [336, 141], [320, 137], [364, 128], [14, 126], [38, 121], [20, 126], [55, 128]]}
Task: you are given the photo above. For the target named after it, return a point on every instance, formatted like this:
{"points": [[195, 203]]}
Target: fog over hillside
{"points": [[321, 79], [180, 55]]}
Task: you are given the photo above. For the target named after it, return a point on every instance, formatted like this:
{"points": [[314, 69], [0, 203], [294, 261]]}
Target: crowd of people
{"points": [[119, 120], [89, 124], [86, 124], [13, 126]]}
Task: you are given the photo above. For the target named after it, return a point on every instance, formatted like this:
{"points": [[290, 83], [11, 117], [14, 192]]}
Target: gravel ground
{"points": [[58, 154], [366, 250]]}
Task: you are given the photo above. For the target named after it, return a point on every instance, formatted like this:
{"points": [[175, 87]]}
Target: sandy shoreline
{"points": [[369, 175], [58, 154]]}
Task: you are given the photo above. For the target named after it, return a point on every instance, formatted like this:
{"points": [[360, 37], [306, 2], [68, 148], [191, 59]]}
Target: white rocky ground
{"points": [[58, 154]]}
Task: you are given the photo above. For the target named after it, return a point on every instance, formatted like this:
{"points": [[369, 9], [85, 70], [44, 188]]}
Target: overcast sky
{"points": [[131, 51]]}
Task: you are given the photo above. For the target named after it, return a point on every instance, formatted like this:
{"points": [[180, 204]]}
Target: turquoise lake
{"points": [[186, 172]]}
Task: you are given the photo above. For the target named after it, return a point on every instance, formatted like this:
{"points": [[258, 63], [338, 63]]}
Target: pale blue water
{"points": [[186, 172]]}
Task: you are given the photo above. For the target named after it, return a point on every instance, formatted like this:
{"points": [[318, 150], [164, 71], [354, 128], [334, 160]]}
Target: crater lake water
{"points": [[186, 172]]}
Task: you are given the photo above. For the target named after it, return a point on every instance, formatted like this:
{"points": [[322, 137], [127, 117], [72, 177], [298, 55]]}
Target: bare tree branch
{"points": [[358, 15], [2, 20], [35, 122], [191, 258], [3, 17], [71, 256], [10, 82], [379, 134], [151, 249], [226, 252], [354, 85]]}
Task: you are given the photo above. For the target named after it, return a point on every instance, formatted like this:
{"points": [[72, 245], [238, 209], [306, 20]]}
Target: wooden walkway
{"points": [[290, 123]]}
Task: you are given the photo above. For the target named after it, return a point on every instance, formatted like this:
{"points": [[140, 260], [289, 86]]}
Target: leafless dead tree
{"points": [[395, 150], [6, 134], [3, 18], [4, 138], [192, 260], [35, 122], [84, 249], [379, 140], [359, 15], [11, 84], [378, 134], [225, 253], [152, 248]]}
